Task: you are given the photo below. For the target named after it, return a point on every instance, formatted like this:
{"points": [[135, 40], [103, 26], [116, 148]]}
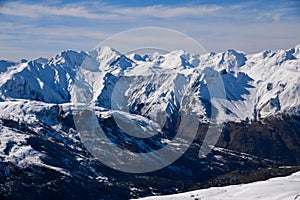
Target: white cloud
{"points": [[70, 32], [161, 11], [104, 11], [39, 10], [99, 11]]}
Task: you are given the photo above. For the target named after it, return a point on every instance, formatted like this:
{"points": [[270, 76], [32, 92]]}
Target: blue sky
{"points": [[30, 29]]}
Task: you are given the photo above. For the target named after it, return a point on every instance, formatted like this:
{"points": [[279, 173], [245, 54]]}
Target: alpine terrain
{"points": [[244, 125]]}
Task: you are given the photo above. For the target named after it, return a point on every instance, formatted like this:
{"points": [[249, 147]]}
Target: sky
{"points": [[31, 29]]}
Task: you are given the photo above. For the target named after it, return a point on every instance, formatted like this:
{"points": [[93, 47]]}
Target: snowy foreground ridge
{"points": [[282, 188]]}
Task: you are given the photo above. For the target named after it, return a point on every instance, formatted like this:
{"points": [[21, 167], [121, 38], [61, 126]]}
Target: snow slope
{"points": [[281, 188]]}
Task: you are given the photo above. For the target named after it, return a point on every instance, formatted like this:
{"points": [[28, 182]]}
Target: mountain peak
{"points": [[231, 60], [103, 51], [297, 50], [109, 58], [69, 58]]}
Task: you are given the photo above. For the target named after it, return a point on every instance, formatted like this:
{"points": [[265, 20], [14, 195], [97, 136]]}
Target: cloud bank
{"points": [[32, 27]]}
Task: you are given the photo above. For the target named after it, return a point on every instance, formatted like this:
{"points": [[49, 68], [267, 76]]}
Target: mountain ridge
{"points": [[258, 82]]}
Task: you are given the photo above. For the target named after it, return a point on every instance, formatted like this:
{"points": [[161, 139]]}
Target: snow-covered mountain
{"points": [[256, 85], [256, 97]]}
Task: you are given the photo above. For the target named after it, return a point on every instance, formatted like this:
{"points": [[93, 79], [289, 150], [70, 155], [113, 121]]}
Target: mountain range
{"points": [[252, 99]]}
